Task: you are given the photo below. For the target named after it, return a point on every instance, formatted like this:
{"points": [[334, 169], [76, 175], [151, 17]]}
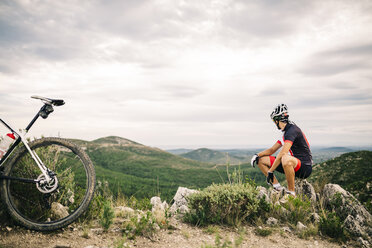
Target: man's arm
{"points": [[267, 152], [270, 151], [285, 150]]}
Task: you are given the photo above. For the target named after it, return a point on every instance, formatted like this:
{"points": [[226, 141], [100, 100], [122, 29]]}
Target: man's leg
{"points": [[289, 164], [264, 165]]}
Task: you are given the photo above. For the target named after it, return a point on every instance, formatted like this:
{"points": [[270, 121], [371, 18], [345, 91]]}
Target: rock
{"points": [[284, 199], [8, 228], [275, 196], [97, 230], [357, 220], [315, 218], [123, 211], [183, 209], [363, 243], [155, 201], [300, 226], [271, 221], [263, 194], [157, 205], [286, 229], [157, 227], [354, 225], [58, 210], [180, 199], [304, 188], [344, 203]]}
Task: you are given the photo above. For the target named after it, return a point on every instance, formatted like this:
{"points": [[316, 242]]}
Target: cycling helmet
{"points": [[280, 113]]}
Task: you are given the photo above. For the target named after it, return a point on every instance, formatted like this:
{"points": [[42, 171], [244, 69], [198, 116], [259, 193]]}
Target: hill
{"points": [[353, 171], [211, 156], [114, 140], [135, 169], [231, 156], [179, 151]]}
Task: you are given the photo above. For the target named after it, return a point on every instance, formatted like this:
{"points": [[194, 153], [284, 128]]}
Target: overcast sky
{"points": [[173, 73]]}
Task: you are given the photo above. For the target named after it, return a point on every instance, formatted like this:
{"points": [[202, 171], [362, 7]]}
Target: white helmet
{"points": [[280, 113]]}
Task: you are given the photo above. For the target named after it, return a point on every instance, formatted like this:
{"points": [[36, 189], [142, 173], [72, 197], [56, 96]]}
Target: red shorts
{"points": [[272, 159], [303, 171]]}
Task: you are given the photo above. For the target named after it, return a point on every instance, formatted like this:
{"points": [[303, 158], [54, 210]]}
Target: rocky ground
{"points": [[182, 235], [357, 221]]}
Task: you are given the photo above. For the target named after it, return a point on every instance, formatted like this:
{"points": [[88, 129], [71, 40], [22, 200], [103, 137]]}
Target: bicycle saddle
{"points": [[55, 102]]}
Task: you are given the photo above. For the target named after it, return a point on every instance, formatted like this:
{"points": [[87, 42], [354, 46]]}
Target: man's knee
{"points": [[288, 161], [264, 161]]}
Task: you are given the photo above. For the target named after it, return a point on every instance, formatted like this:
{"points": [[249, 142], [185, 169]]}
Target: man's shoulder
{"points": [[292, 130], [291, 127]]}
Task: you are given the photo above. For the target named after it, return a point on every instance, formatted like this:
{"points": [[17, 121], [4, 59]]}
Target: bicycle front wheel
{"points": [[48, 206]]}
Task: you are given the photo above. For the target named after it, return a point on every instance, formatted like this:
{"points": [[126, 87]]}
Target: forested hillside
{"points": [[353, 171], [134, 169]]}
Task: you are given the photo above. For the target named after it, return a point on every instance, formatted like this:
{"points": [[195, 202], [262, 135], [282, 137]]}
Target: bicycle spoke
{"points": [[31, 202]]}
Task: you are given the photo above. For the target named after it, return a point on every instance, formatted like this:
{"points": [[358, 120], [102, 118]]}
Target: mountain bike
{"points": [[48, 183]]}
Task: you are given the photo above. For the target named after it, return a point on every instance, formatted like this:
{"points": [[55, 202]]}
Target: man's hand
{"points": [[270, 178], [254, 160]]}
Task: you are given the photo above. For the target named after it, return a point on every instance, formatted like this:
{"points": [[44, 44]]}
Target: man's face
{"points": [[277, 124]]}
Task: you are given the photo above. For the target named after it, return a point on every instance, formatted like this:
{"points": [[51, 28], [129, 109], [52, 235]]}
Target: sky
{"points": [[177, 73]]}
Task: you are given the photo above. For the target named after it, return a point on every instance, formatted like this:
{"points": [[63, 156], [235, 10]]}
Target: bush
{"points": [[263, 231], [223, 204], [140, 226], [102, 194], [310, 231], [331, 225], [106, 219], [298, 209]]}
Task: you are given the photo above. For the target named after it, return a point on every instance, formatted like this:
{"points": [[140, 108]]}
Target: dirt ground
{"points": [[182, 235]]}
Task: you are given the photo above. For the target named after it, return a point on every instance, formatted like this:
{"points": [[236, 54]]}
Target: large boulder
{"points": [[180, 200], [357, 220], [336, 198], [304, 188], [157, 205]]}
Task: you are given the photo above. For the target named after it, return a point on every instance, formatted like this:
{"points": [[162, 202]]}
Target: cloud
{"points": [[266, 19], [174, 71], [338, 61], [364, 50]]}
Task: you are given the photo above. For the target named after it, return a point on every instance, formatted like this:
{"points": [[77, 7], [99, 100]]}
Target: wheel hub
{"points": [[44, 187]]}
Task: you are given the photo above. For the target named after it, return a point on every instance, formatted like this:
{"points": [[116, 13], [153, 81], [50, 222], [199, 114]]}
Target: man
{"points": [[294, 159]]}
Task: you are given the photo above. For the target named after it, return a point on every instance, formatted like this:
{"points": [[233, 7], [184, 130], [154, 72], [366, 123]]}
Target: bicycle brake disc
{"points": [[44, 187]]}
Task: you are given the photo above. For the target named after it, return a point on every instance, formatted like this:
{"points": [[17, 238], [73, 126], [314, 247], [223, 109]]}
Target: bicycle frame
{"points": [[21, 138]]}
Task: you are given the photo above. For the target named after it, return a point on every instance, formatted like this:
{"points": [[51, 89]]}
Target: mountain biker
{"points": [[294, 159]]}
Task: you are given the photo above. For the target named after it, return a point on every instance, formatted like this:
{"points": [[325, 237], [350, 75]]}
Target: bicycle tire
{"points": [[76, 183]]}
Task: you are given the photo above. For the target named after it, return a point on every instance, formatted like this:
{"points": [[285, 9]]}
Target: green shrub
{"points": [[223, 204], [299, 209], [310, 231], [140, 226], [296, 209], [108, 215], [263, 231], [140, 204], [95, 209], [331, 225]]}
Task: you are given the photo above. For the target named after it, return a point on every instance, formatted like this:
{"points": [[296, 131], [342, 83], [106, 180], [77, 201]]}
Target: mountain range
{"points": [[134, 169], [142, 171]]}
